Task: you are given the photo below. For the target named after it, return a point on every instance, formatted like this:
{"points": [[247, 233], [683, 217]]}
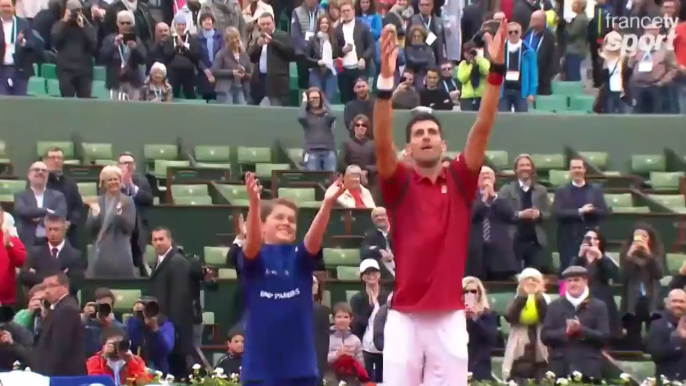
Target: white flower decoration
{"points": [[159, 374], [28, 369], [16, 364], [469, 375], [196, 367], [219, 371], [512, 383], [550, 375], [625, 377], [342, 383], [562, 381], [577, 376], [170, 378], [677, 383]]}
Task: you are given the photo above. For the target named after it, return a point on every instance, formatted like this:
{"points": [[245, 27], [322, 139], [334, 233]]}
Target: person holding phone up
{"points": [[123, 53], [482, 326]]}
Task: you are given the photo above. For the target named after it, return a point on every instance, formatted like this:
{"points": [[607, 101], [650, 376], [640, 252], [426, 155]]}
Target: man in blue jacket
{"points": [[521, 78], [16, 49], [152, 334]]}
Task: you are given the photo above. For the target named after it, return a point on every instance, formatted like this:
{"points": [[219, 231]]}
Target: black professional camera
{"points": [[102, 310], [6, 314], [150, 308], [123, 345], [490, 27]]}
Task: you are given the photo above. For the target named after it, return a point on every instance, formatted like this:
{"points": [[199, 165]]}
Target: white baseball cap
{"points": [[369, 264]]}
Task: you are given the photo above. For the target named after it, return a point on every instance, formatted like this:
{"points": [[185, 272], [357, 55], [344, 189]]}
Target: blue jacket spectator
{"points": [[521, 79], [366, 13], [153, 346]]}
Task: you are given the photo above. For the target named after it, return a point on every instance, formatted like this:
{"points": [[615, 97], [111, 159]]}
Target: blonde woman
{"points": [[482, 326], [232, 70], [616, 74], [111, 220], [526, 357]]}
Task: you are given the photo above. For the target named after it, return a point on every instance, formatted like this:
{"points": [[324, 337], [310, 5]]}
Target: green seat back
{"points": [[348, 273], [208, 318], [665, 181], [498, 158], [87, 189], [189, 190], [297, 194], [551, 197], [37, 86], [553, 103], [215, 256], [208, 153], [669, 200], [337, 256], [99, 73], [124, 299], [98, 151], [227, 273], [254, 155], [631, 209], [233, 192], [9, 187], [160, 152], [67, 148], [53, 87], [99, 90], [195, 200], [581, 103], [263, 170], [598, 159], [160, 168], [49, 71], [619, 200], [674, 262], [498, 301], [558, 177], [646, 163], [556, 261], [567, 89], [641, 370], [3, 149], [549, 161], [150, 255], [295, 154], [106, 162]]}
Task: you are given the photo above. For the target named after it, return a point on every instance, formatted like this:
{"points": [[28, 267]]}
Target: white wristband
{"points": [[385, 84]]}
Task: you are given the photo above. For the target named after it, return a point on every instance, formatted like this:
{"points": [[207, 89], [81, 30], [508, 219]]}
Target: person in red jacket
{"points": [[12, 256], [118, 362]]}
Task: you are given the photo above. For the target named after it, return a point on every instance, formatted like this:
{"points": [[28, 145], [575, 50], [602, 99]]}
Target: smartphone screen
{"points": [[470, 300]]}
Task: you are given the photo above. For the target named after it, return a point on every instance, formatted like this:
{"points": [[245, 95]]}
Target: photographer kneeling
{"points": [[152, 334], [15, 341], [117, 361], [98, 319]]}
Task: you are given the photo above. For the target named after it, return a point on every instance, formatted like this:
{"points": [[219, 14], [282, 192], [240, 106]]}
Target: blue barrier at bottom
{"points": [[95, 380], [26, 378]]}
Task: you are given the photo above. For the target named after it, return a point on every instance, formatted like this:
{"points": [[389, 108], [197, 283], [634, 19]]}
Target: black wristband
{"points": [[498, 68], [384, 94]]}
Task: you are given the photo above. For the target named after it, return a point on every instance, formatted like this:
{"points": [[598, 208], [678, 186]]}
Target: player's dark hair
{"points": [[234, 332], [420, 117], [269, 205]]}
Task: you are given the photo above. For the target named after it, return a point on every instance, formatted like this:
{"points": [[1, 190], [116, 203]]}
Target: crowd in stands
{"points": [[233, 52]]}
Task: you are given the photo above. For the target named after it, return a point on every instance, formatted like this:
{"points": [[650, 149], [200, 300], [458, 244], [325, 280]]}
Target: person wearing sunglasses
{"points": [[482, 326], [123, 53], [521, 78], [33, 204], [359, 150]]}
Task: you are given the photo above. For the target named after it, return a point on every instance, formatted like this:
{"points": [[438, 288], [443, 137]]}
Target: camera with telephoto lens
{"points": [[490, 27], [6, 314], [123, 345], [150, 308], [102, 310]]}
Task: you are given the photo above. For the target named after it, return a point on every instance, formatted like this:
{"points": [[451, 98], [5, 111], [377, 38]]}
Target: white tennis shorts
{"points": [[432, 344]]}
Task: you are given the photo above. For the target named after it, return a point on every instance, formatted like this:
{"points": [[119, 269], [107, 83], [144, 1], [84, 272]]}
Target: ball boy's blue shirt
{"points": [[279, 332]]}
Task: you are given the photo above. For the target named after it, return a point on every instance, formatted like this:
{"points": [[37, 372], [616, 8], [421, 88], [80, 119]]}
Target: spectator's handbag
{"points": [[346, 366]]}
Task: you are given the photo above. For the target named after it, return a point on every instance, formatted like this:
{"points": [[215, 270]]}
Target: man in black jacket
{"points": [[15, 341], [377, 244], [667, 338], [75, 40], [60, 350], [576, 328], [17, 52], [54, 160], [170, 283]]}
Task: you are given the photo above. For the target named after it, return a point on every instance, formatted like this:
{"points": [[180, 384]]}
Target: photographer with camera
{"points": [[32, 317], [98, 319], [75, 40], [152, 334], [117, 361], [202, 277], [15, 341], [471, 73]]}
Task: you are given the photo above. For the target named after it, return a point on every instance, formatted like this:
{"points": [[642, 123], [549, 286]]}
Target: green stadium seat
{"points": [[215, 256], [326, 299], [189, 191], [53, 87], [195, 200], [97, 151], [298, 195], [9, 187], [106, 162], [6, 198], [498, 158], [254, 155], [619, 200], [49, 71], [160, 167], [505, 327], [295, 154], [233, 192], [581, 103], [227, 273], [498, 301], [647, 163], [124, 299], [3, 151], [99, 91], [99, 73], [669, 200], [674, 262], [568, 89], [631, 209], [549, 161], [87, 188], [552, 103], [598, 159], [37, 86], [348, 273], [213, 154], [265, 170], [641, 370], [160, 152], [558, 177], [665, 181], [551, 197], [150, 255], [337, 256], [556, 261], [36, 70], [349, 295], [451, 154], [208, 318], [497, 367], [67, 148]]}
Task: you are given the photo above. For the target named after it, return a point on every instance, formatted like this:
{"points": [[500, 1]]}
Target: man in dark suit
{"points": [[33, 204], [355, 45], [578, 206], [531, 206], [16, 51], [490, 254], [272, 53], [54, 160], [170, 284], [138, 188], [377, 244], [434, 28], [55, 256], [60, 348], [543, 41]]}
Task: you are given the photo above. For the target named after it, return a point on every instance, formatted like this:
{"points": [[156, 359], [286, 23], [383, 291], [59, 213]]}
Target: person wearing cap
{"points": [[365, 305], [525, 355], [362, 104], [355, 195], [75, 40], [576, 328], [123, 53], [156, 88], [183, 59]]}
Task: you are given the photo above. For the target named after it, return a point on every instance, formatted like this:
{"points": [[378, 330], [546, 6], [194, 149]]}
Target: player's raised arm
{"points": [[315, 235], [386, 159], [477, 141], [253, 236]]}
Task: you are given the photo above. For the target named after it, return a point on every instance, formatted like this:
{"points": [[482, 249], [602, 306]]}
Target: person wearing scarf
{"points": [[319, 54], [156, 87], [576, 329]]}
